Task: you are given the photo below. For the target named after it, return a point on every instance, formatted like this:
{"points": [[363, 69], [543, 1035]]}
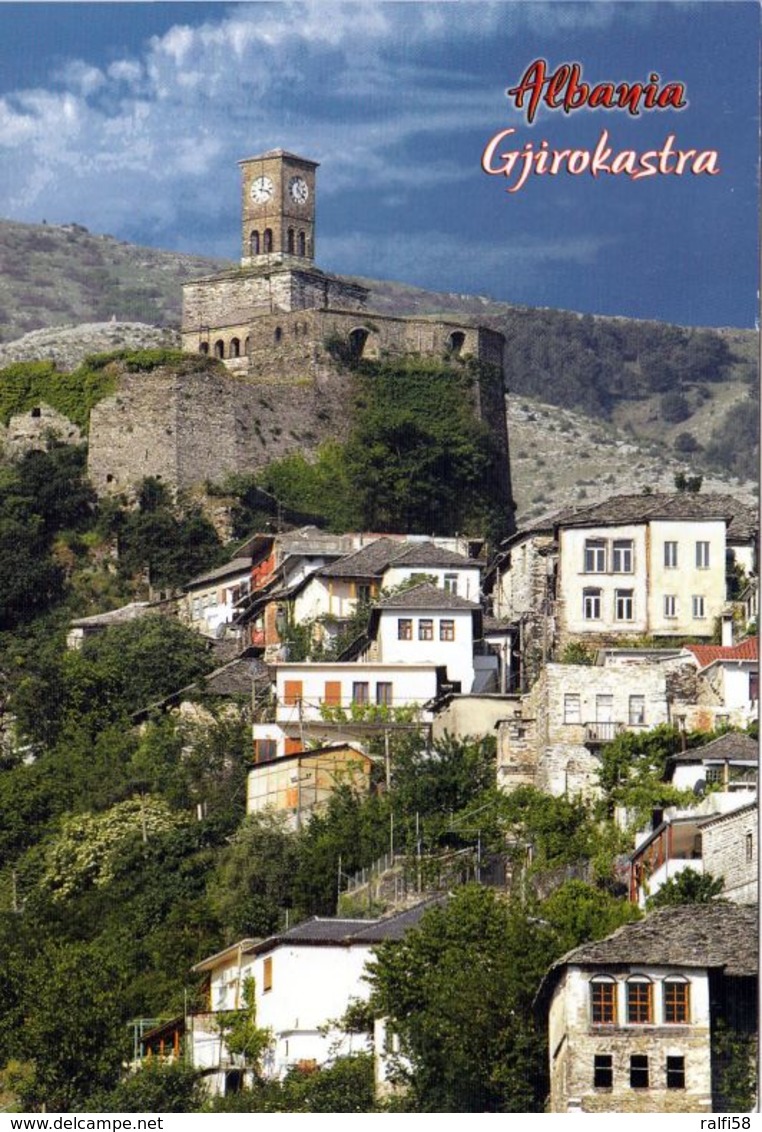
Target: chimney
{"points": [[727, 630]]}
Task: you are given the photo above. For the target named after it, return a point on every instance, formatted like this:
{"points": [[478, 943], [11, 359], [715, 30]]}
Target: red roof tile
{"points": [[707, 654]]}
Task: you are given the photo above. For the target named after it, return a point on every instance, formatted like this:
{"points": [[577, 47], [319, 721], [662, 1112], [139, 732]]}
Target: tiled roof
{"points": [[687, 935], [721, 936], [319, 931], [426, 596], [733, 745], [368, 562], [395, 927], [429, 554], [644, 508], [707, 654]]}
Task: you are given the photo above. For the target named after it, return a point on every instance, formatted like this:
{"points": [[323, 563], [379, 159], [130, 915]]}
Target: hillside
{"points": [[678, 397]]}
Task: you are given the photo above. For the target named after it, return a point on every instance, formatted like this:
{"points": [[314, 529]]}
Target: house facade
{"points": [[630, 1018]]}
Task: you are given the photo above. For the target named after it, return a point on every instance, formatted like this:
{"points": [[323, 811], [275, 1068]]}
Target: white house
{"points": [[304, 979], [212, 597], [630, 1018], [729, 675]]}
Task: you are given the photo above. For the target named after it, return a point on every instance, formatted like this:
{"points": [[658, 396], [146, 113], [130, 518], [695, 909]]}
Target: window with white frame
{"points": [[572, 708], [591, 605], [622, 556], [624, 605], [670, 555], [670, 605], [451, 583], [595, 556], [699, 607], [637, 710], [702, 555]]}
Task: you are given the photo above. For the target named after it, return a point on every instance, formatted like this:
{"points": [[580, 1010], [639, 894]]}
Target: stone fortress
{"points": [[281, 328]]}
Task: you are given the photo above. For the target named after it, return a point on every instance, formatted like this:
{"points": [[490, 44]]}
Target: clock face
{"points": [[298, 191], [261, 190]]}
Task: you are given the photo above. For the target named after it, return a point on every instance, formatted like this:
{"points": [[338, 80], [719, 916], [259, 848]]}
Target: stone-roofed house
{"points": [[83, 627], [304, 978], [631, 1018]]}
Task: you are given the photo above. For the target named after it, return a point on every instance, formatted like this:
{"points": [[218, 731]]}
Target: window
{"points": [[254, 243], [595, 556], [604, 708], [676, 1001], [426, 629], [290, 241], [675, 1072], [670, 555], [591, 605], [268, 240], [603, 1071], [699, 610], [603, 1002], [404, 629], [639, 1002], [451, 583], [196, 615], [384, 694], [702, 555], [267, 975], [301, 244], [572, 710], [637, 710], [622, 556], [292, 693], [446, 630], [332, 696], [754, 685], [670, 605], [623, 605], [749, 848], [638, 1071], [265, 750], [360, 692]]}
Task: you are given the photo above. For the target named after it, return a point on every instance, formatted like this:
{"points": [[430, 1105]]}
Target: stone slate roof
{"points": [[235, 566], [130, 612], [368, 562], [233, 679], [396, 927], [426, 596], [621, 509], [734, 745], [429, 554], [707, 654], [720, 936], [279, 153]]}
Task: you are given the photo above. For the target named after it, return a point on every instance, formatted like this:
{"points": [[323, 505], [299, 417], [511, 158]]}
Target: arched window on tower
{"points": [[247, 347], [302, 244], [254, 243], [235, 348], [203, 348], [219, 348], [268, 240], [357, 340], [455, 343], [278, 334], [291, 241]]}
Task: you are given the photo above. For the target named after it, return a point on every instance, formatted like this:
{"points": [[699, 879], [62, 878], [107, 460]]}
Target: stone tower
{"points": [[277, 209]]}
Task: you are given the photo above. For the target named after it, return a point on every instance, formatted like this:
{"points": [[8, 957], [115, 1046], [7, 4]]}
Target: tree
{"points": [[688, 887], [458, 991], [240, 1032], [156, 1087], [579, 913]]}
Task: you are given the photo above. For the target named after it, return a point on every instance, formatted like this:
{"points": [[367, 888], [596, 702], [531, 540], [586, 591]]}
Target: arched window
{"points": [[290, 244], [455, 343], [640, 1001], [603, 1001], [677, 1000], [357, 340], [235, 348], [268, 240], [203, 348], [278, 333], [247, 347], [254, 243], [219, 348], [302, 244]]}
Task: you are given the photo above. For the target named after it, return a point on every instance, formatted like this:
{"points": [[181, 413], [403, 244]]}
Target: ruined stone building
{"points": [[284, 331]]}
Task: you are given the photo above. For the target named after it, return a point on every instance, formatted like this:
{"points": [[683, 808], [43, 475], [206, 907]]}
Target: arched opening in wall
{"points": [[290, 241], [219, 348], [109, 478], [455, 343], [302, 244], [203, 348], [278, 333], [254, 243], [235, 348], [247, 347], [357, 339], [36, 412], [268, 242]]}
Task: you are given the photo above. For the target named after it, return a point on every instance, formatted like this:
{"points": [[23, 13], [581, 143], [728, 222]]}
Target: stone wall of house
{"points": [[730, 849]]}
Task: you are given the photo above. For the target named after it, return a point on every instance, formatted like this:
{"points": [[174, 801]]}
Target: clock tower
{"points": [[277, 209]]}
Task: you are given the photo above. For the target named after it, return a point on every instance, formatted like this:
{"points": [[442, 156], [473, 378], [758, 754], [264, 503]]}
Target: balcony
{"points": [[598, 734]]}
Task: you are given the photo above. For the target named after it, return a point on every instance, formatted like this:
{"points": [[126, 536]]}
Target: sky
{"points": [[130, 118]]}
